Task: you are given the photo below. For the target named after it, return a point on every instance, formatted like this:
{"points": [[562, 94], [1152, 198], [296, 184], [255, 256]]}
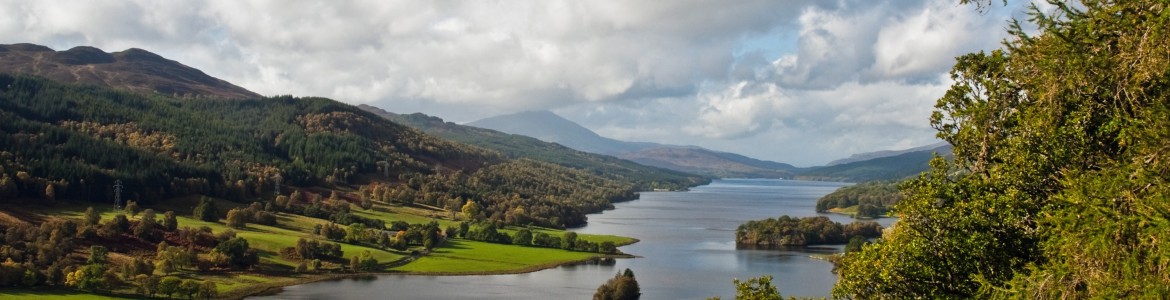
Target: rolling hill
{"points": [[896, 167], [548, 126], [73, 139], [519, 146], [133, 69]]}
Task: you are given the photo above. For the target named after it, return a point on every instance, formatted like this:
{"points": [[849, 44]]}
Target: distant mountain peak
{"points": [[550, 127], [133, 69], [885, 153]]}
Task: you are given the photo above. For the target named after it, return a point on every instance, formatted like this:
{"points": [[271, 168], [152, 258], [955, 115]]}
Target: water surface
{"points": [[687, 251]]}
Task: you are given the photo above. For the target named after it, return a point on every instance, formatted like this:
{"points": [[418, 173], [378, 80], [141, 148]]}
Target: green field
{"points": [[471, 257], [52, 294], [455, 256]]}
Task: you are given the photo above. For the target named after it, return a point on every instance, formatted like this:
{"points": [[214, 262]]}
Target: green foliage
{"points": [[622, 286], [892, 168], [131, 208], [206, 210], [92, 217], [170, 221], [759, 288], [789, 231], [238, 253], [873, 198], [518, 146], [1058, 183], [236, 218], [98, 255], [523, 237]]}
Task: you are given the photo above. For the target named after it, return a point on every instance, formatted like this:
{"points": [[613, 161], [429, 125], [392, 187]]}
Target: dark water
{"points": [[687, 251]]}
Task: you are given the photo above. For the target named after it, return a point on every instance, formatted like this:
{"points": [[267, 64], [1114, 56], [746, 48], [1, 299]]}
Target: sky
{"points": [[801, 82]]}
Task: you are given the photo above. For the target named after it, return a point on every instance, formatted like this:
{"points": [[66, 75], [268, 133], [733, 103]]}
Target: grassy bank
{"points": [[453, 257]]}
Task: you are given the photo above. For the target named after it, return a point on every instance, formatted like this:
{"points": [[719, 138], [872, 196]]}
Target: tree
{"points": [[302, 267], [171, 258], [131, 208], [145, 227], [238, 252], [190, 288], [169, 286], [170, 221], [607, 247], [1057, 185], [89, 278], [471, 210], [92, 218], [759, 288], [98, 255], [568, 240], [50, 192], [316, 265], [236, 218], [523, 237], [207, 290], [206, 210], [149, 216], [147, 284], [355, 264], [622, 286], [855, 244]]}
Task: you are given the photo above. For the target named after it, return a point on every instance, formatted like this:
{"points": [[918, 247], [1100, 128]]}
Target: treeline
{"points": [[41, 255], [517, 192], [790, 231], [487, 232], [62, 141], [80, 139], [514, 146], [872, 199]]}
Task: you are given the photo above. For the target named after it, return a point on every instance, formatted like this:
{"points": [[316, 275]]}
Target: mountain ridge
{"points": [[548, 126], [520, 146], [133, 69]]}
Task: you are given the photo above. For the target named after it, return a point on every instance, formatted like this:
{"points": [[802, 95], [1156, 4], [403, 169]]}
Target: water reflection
{"points": [[687, 251]]}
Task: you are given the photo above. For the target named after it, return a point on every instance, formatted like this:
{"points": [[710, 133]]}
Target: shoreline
{"points": [[268, 289]]}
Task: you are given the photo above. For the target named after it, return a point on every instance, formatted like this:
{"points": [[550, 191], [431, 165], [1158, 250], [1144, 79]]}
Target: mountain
{"points": [[895, 167], [548, 126], [885, 153], [133, 69], [519, 146], [712, 163], [72, 141]]}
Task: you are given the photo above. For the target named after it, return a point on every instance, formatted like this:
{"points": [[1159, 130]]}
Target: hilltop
{"points": [[132, 69], [519, 146], [550, 127]]}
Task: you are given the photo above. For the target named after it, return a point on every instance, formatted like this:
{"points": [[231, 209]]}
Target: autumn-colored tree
{"points": [[470, 210], [92, 218], [622, 286], [236, 218], [131, 208], [50, 192]]}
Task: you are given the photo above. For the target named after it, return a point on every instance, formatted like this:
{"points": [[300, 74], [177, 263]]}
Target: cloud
{"points": [[801, 81]]}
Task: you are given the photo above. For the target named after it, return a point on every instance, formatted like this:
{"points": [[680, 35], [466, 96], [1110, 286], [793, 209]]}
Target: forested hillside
{"points": [[864, 200], [1058, 187], [896, 167], [519, 146], [65, 141]]}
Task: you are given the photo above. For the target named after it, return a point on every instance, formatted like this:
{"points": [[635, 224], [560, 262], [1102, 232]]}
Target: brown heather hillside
{"points": [[134, 69]]}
